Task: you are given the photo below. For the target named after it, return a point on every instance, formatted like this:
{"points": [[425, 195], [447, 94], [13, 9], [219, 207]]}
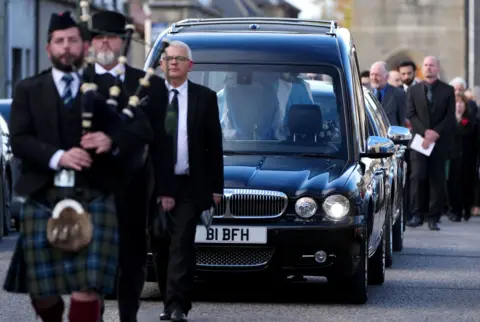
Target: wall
{"points": [[21, 41], [384, 29]]}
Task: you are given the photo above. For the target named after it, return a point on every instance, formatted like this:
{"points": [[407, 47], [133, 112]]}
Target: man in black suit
{"points": [[431, 111], [46, 134], [189, 175], [132, 202], [393, 99]]}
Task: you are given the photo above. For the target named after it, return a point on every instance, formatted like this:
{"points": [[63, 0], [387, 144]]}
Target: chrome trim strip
{"points": [[252, 204]]}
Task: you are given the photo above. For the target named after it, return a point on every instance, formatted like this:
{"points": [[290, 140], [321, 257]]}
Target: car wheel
{"points": [[398, 232], [389, 238], [355, 287], [6, 207], [376, 264]]}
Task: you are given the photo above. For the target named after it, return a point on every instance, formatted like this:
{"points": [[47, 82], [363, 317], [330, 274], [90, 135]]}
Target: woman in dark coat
{"points": [[463, 162]]}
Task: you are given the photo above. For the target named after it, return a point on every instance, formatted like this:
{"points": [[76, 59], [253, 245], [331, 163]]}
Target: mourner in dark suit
{"points": [[46, 134], [133, 201], [463, 161], [431, 111], [189, 176], [393, 99]]}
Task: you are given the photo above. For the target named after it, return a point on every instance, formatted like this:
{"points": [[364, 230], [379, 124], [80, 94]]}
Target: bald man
{"points": [[431, 111], [393, 99], [394, 78]]}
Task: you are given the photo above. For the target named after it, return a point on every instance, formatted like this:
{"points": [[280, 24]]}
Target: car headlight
{"points": [[336, 206], [306, 207]]}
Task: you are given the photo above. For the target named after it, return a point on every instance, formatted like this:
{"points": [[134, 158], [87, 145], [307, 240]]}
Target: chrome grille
{"points": [[251, 204], [233, 256]]}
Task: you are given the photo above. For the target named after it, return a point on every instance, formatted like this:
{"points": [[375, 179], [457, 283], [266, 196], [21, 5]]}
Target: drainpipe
{"points": [[471, 43], [5, 44], [37, 35]]}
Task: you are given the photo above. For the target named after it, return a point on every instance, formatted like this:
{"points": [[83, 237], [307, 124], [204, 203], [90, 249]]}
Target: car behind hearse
{"points": [[305, 188]]}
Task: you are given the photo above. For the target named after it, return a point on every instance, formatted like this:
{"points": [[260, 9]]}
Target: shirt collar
{"points": [[382, 90], [100, 70], [57, 75], [182, 89]]}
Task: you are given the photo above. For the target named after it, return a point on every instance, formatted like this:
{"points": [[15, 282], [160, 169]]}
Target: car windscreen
{"points": [[270, 108]]}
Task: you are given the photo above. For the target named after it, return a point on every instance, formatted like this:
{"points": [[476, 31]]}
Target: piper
{"points": [[69, 233]]}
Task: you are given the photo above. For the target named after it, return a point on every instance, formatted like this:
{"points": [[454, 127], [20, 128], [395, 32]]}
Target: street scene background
{"points": [[435, 278]]}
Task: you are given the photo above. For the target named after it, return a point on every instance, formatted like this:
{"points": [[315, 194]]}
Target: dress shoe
{"points": [[455, 217], [433, 224], [415, 221], [178, 316], [164, 316]]}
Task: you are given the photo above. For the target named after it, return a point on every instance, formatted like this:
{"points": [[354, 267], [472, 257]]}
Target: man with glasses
{"points": [[188, 161]]}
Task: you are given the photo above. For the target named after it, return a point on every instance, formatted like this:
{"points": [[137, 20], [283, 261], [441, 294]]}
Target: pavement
{"points": [[435, 278]]}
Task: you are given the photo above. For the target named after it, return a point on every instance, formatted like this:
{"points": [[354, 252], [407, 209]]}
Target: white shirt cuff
{"points": [[55, 159]]}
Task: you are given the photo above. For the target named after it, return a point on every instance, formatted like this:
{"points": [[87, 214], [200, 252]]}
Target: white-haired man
{"points": [[132, 200], [393, 99], [189, 176], [460, 86]]}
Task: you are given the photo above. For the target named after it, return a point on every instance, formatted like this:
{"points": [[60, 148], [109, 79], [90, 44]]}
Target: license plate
{"points": [[231, 235]]}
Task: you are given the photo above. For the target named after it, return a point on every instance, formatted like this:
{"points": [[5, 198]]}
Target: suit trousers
{"points": [[175, 257], [427, 184], [132, 208]]}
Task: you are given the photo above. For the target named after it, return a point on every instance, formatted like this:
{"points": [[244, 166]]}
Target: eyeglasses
{"points": [[177, 58]]}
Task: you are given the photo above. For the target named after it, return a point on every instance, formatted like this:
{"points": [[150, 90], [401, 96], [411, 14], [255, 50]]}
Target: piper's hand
{"points": [[96, 140], [167, 203], [76, 159], [217, 199]]}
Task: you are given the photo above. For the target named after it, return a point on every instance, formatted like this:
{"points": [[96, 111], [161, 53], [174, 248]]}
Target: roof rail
{"points": [[265, 20]]}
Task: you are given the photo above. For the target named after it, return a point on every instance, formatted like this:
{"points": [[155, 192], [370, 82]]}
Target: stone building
{"points": [[412, 29]]}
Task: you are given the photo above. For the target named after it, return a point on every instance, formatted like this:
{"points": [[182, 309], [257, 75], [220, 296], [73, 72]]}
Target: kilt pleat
{"points": [[40, 269]]}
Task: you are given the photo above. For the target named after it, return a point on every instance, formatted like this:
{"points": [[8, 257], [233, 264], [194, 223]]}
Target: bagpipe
{"points": [[70, 227]]}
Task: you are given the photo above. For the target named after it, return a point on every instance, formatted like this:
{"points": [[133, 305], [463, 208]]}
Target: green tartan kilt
{"points": [[39, 269]]}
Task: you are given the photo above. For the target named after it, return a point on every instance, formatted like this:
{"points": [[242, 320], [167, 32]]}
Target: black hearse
{"points": [[304, 187]]}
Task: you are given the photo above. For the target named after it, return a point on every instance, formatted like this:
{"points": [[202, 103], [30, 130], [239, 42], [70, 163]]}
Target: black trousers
{"points": [[132, 208], [175, 256], [461, 185], [427, 184]]}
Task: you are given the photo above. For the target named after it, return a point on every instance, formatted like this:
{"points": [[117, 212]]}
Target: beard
{"points": [[408, 81], [76, 62], [107, 57]]}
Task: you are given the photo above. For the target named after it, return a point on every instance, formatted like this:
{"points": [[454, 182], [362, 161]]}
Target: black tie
{"points": [[379, 95], [171, 121]]}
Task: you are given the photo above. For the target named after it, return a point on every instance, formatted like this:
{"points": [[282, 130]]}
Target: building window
{"points": [[16, 66]]}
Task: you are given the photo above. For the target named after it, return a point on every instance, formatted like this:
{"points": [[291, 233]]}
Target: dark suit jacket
{"points": [[35, 137], [395, 105], [204, 148], [441, 121]]}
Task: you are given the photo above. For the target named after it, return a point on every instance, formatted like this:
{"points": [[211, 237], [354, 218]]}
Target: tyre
{"points": [[398, 232], [376, 264], [6, 207], [388, 240], [355, 287]]}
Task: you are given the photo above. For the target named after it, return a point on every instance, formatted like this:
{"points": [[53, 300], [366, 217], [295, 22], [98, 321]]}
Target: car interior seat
{"points": [[305, 123]]}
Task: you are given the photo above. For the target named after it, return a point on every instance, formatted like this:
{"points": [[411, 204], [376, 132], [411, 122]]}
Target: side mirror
{"points": [[399, 134], [379, 147]]}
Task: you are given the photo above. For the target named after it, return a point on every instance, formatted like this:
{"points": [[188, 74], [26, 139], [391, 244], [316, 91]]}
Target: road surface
{"points": [[435, 278]]}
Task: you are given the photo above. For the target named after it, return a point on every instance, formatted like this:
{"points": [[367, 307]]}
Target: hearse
{"points": [[304, 182]]}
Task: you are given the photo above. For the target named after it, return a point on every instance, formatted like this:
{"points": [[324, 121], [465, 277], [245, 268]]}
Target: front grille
{"points": [[233, 256], [251, 204]]}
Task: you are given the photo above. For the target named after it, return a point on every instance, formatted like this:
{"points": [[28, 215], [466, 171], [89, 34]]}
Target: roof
{"points": [[253, 47]]}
